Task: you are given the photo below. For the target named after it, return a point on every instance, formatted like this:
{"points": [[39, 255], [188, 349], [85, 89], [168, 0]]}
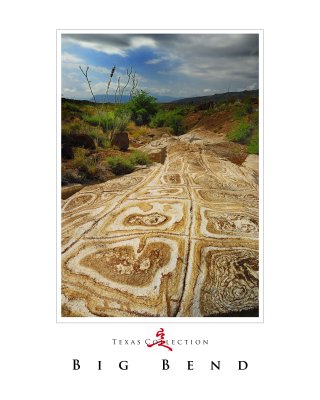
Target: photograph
{"points": [[158, 151]]}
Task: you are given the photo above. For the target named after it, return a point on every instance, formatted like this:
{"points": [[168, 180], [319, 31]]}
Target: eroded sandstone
{"points": [[178, 239]]}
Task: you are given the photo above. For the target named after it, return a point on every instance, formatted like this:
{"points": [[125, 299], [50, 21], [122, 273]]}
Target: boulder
{"points": [[158, 155], [75, 140], [121, 140]]}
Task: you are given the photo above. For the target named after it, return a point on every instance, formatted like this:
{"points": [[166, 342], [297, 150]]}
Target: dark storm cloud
{"points": [[218, 59], [212, 45], [203, 45]]}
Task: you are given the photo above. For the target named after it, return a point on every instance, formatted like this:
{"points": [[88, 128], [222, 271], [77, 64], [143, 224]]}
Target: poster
{"points": [[160, 156], [44, 356]]}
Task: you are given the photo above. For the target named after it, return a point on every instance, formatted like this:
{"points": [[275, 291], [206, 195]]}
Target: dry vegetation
{"points": [[88, 155]]}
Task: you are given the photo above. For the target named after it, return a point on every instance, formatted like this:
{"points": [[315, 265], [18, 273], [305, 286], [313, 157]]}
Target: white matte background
{"points": [[36, 353]]}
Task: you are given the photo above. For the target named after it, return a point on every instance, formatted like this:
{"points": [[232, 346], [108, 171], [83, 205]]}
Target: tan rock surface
{"points": [[68, 191], [178, 239], [252, 161]]}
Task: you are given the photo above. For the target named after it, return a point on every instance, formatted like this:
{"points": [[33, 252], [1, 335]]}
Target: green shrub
{"points": [[255, 119], [89, 168], [69, 111], [101, 141], [71, 128], [242, 111], [240, 133], [140, 132], [105, 143], [105, 119], [123, 165], [171, 119], [121, 120], [142, 117], [70, 107], [108, 120], [65, 130], [187, 109], [142, 107], [79, 157], [120, 165], [174, 121], [253, 145], [91, 119], [80, 127], [159, 119], [139, 157], [247, 132]]}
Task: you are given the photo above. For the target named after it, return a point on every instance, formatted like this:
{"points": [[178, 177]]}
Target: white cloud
{"points": [[154, 61], [142, 41], [207, 90], [110, 48], [98, 46], [162, 58], [68, 90], [71, 58]]}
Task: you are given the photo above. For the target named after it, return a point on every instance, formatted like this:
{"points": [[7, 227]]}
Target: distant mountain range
{"points": [[218, 97], [100, 98]]}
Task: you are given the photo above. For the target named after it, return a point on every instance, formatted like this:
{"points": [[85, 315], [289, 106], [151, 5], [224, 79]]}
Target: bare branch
{"points": [[89, 82], [134, 84], [117, 90], [129, 73]]}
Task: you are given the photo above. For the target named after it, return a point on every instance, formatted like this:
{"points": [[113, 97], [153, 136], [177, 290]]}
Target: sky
{"points": [[176, 65]]}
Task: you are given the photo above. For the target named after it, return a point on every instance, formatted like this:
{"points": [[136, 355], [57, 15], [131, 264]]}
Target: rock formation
{"points": [[71, 140], [121, 140], [178, 239]]}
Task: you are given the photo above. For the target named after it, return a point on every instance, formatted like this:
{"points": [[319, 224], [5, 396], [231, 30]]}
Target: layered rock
{"points": [[178, 239]]}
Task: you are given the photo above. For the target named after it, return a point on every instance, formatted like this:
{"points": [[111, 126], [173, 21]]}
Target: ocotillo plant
{"points": [[109, 82], [89, 84], [119, 90], [134, 85], [129, 74], [118, 95]]}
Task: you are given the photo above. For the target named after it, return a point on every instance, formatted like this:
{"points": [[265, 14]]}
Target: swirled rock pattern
{"points": [[178, 239]]}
